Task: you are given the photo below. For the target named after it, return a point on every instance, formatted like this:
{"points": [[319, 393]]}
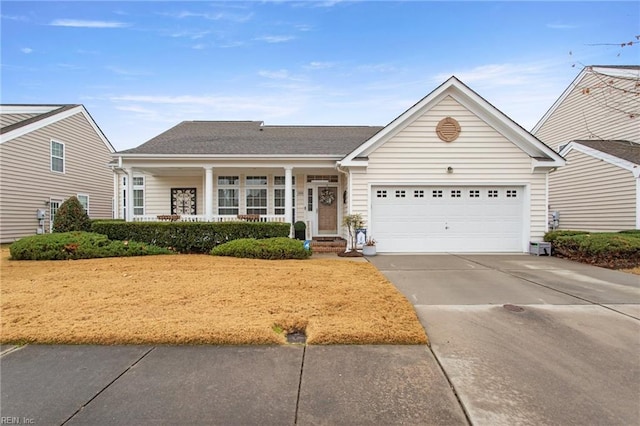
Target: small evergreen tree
{"points": [[71, 217]]}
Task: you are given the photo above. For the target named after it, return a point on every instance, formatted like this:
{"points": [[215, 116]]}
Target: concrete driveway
{"points": [[564, 350]]}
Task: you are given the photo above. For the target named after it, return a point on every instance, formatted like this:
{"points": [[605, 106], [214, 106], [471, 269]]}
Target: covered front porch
{"points": [[313, 193]]}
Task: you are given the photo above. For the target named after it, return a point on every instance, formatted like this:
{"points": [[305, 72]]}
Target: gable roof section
{"points": [[252, 138], [44, 115], [474, 103], [624, 154], [619, 71]]}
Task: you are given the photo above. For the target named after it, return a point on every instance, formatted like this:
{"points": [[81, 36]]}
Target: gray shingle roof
{"points": [[625, 150], [37, 118], [253, 138]]}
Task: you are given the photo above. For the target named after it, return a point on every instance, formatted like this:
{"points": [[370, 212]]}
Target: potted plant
{"points": [[300, 230], [369, 247]]}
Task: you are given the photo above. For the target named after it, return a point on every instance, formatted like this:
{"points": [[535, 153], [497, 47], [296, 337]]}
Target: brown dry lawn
{"points": [[201, 299], [635, 270]]}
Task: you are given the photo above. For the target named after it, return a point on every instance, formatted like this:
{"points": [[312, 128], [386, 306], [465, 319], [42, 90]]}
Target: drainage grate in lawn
{"points": [[297, 337]]}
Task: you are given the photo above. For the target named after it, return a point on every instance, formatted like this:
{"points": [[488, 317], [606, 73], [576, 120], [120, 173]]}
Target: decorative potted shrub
{"points": [[300, 230], [369, 247], [352, 222]]}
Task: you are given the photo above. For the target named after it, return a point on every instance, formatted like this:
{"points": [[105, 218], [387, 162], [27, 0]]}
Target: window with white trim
{"points": [[138, 195], [228, 191], [474, 193], [278, 195], [492, 193], [400, 193], [418, 193], [455, 193], [512, 193], [381, 193], [57, 157], [256, 194], [436, 193], [138, 198], [84, 200]]}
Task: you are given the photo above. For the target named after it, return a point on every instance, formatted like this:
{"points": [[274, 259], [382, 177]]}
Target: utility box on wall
{"points": [[41, 214]]}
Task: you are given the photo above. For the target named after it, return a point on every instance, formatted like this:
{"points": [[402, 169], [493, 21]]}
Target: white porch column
{"points": [[208, 193], [115, 203], [128, 195], [288, 199]]}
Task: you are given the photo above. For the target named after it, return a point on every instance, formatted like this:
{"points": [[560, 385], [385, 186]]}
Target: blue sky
{"points": [[142, 67]]}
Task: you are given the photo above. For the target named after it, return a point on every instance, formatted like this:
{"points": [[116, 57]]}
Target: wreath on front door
{"points": [[327, 196]]}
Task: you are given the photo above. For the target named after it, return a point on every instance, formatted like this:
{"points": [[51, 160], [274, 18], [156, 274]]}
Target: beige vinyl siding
{"points": [[415, 155], [158, 190], [592, 110], [593, 195], [9, 119], [27, 180]]}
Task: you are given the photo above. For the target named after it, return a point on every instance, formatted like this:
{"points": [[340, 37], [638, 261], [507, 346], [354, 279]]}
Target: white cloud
{"points": [[561, 26], [317, 65], [127, 72], [276, 75], [14, 18], [275, 39], [212, 16], [78, 23], [199, 46], [193, 35], [26, 50], [137, 109]]}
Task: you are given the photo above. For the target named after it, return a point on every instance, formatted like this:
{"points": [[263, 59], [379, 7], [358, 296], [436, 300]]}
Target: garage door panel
{"points": [[447, 219]]}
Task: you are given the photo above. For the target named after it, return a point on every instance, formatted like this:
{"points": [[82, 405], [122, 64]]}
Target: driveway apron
{"points": [[526, 339]]}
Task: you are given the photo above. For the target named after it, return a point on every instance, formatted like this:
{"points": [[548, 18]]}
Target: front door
{"points": [[327, 210]]}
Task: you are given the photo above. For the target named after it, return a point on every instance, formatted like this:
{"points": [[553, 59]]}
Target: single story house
{"points": [[594, 125], [450, 174], [49, 153]]}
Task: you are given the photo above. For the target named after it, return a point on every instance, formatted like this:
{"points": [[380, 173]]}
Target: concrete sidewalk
{"points": [[230, 385]]}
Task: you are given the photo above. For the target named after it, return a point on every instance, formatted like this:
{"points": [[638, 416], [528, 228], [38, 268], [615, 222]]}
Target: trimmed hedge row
{"points": [[77, 245], [607, 249], [189, 237], [270, 249]]}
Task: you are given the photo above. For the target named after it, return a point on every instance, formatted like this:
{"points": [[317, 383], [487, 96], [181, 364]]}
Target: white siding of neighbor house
{"points": [[480, 155], [593, 195], [9, 119], [592, 110], [27, 182], [158, 190]]}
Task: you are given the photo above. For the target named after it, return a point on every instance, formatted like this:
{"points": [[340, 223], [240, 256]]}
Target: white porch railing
{"points": [[203, 218]]}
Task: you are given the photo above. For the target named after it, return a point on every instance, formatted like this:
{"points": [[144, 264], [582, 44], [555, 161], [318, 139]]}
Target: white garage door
{"points": [[447, 219]]}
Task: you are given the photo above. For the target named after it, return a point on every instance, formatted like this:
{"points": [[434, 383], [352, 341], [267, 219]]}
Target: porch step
{"points": [[328, 245]]}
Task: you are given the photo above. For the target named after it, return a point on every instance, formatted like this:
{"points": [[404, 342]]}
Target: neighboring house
{"points": [[595, 125], [451, 174], [49, 153]]}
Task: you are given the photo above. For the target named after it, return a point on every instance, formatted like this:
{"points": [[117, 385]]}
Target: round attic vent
{"points": [[448, 129]]}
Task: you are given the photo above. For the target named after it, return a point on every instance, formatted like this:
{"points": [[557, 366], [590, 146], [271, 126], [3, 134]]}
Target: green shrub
{"points": [[77, 245], [270, 248], [611, 250], [71, 216], [552, 235], [189, 237]]}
